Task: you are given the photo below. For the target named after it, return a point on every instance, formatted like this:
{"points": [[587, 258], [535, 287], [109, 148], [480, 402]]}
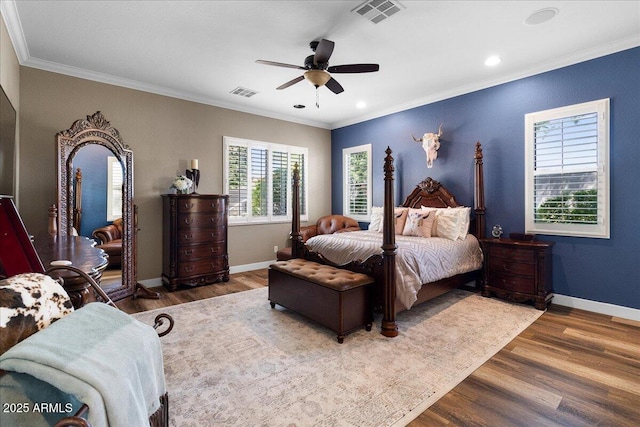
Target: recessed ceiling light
{"points": [[492, 61], [542, 15], [361, 104], [299, 106]]}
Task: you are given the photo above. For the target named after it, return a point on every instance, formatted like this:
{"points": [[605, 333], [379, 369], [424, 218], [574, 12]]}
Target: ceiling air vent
{"points": [[243, 91], [378, 10]]}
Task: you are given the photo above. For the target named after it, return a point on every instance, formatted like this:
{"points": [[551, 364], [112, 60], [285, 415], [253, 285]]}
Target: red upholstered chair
{"points": [[328, 224]]}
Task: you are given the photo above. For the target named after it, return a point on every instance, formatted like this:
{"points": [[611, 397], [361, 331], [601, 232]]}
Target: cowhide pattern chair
{"points": [[28, 303]]}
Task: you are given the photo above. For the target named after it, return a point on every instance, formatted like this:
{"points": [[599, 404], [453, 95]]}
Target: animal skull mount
{"points": [[430, 144]]}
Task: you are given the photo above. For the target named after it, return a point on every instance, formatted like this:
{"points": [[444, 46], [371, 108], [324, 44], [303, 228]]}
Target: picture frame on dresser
{"points": [[194, 239], [518, 270]]}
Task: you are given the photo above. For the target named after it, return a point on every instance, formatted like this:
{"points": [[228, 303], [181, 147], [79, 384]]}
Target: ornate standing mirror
{"points": [[84, 134]]}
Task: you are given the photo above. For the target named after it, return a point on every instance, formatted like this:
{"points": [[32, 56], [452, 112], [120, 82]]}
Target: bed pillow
{"points": [[447, 224], [376, 218], [28, 303], [454, 224], [419, 223], [400, 217]]}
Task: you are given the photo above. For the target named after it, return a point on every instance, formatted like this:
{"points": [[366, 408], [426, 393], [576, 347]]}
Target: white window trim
{"points": [[270, 147], [602, 228], [346, 153]]}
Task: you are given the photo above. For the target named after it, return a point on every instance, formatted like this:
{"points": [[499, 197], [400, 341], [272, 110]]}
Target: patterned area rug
{"points": [[235, 361]]}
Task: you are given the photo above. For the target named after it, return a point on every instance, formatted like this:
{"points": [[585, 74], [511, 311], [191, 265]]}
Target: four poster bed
{"points": [[407, 279]]}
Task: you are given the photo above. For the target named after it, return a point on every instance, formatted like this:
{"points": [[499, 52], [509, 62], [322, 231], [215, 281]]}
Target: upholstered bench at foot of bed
{"points": [[340, 300]]}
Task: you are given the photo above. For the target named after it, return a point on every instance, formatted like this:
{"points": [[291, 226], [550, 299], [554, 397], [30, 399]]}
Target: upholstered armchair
{"points": [[110, 238], [328, 224]]}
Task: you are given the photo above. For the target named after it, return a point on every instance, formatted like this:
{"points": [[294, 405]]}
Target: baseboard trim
{"points": [[157, 281], [250, 267], [597, 307]]}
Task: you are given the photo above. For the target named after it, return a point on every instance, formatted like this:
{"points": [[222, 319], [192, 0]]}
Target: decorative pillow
{"points": [[400, 216], [376, 218], [29, 302], [418, 223]]}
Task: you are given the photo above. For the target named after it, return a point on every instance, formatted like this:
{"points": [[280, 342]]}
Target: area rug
{"points": [[234, 361]]}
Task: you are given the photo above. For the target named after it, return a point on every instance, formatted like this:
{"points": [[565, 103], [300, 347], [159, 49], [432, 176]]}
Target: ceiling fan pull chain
{"points": [[317, 97]]}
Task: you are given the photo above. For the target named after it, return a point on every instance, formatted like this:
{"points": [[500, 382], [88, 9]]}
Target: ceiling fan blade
{"points": [[354, 68], [323, 51], [290, 83], [279, 64], [334, 86]]}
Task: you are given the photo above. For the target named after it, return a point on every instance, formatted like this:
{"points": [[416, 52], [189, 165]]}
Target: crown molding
{"points": [[553, 64]]}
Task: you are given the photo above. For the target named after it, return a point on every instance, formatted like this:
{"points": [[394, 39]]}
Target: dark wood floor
{"points": [[570, 368]]}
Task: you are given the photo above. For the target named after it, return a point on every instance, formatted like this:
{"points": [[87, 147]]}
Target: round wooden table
{"points": [[83, 254]]}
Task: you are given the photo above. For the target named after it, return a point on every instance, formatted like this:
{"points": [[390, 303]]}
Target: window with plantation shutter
{"points": [[357, 182], [257, 178], [114, 189], [567, 170]]}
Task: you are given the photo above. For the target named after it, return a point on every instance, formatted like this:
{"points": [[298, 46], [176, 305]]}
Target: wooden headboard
{"points": [[432, 194]]}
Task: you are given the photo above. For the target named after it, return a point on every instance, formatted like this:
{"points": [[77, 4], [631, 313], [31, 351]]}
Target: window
{"points": [[567, 170], [114, 189], [257, 178], [357, 182]]}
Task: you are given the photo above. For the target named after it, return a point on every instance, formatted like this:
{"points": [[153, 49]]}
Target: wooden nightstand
{"points": [[518, 270]]}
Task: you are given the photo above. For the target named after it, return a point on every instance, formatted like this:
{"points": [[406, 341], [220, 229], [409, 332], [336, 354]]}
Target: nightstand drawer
{"points": [[512, 283], [512, 254], [506, 266]]}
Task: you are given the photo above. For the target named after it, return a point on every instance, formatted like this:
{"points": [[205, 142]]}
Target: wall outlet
{"points": [[275, 249]]}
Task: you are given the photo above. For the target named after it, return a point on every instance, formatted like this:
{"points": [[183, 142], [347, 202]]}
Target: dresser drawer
{"points": [[190, 236], [512, 283], [507, 266], [512, 254], [203, 266], [200, 220], [194, 252], [201, 205]]}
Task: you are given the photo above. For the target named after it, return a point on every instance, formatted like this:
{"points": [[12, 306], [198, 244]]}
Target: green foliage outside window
{"points": [[578, 207]]}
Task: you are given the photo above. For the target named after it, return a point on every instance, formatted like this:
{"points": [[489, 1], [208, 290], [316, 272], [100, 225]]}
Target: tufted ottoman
{"points": [[338, 299]]}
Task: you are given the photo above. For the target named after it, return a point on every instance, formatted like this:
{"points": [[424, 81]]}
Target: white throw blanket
{"points": [[419, 259], [104, 357]]}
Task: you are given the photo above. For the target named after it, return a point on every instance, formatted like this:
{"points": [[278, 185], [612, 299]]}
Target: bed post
{"points": [[296, 238], [479, 208], [389, 326]]}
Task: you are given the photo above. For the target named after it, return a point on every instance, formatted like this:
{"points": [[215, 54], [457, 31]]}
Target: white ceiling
{"points": [[202, 50]]}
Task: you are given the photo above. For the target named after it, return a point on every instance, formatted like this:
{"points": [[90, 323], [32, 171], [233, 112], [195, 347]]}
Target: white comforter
{"points": [[419, 260]]}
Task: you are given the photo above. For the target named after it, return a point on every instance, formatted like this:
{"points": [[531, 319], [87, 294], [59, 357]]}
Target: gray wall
{"points": [[164, 134]]}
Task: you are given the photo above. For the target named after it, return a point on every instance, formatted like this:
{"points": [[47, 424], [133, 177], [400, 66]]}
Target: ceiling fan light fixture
{"points": [[317, 77]]}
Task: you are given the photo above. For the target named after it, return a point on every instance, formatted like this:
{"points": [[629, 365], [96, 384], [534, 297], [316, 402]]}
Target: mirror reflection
{"points": [[98, 181]]}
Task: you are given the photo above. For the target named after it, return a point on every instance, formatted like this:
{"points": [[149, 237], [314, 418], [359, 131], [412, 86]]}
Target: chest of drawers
{"points": [[194, 239], [518, 270]]}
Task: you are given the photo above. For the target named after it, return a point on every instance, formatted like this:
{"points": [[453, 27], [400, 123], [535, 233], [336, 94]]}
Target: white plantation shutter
{"points": [[114, 189], [567, 161], [237, 180], [257, 178], [357, 182]]}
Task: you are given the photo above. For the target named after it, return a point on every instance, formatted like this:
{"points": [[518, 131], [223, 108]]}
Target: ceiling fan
{"points": [[317, 69]]}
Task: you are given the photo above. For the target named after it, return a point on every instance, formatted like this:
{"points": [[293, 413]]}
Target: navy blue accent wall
{"points": [[92, 161], [605, 270]]}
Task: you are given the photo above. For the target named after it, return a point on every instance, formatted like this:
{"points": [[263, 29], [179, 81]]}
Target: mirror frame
{"points": [[95, 129]]}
